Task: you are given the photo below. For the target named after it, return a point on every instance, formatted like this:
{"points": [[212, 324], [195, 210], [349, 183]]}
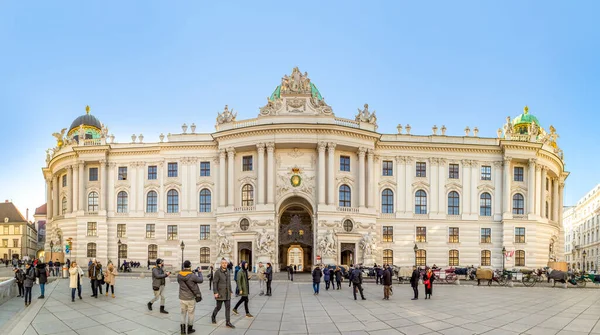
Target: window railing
{"points": [[92, 141], [346, 123]]}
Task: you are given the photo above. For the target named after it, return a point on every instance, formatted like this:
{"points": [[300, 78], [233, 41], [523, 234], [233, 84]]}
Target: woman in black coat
{"points": [[338, 277], [42, 275], [428, 279]]}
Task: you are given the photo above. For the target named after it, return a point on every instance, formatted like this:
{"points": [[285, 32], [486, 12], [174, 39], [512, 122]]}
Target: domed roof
{"points": [[87, 120], [525, 118]]}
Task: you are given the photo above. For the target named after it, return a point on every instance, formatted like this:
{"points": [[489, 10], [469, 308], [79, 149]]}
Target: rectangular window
{"points": [[91, 250], [421, 257], [453, 171], [247, 163], [388, 234], [421, 169], [121, 230], [345, 163], [453, 235], [486, 258], [123, 251], [204, 169], [486, 235], [520, 258], [17, 230], [15, 243], [150, 230], [421, 234], [93, 174], [172, 170], [388, 256], [92, 229], [171, 233], [519, 235], [64, 180], [518, 172], [6, 230], [453, 258], [205, 232], [5, 243], [122, 173], [486, 173], [388, 168], [152, 172]]}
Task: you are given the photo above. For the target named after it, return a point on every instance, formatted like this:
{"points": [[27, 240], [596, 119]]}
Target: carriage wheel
{"points": [[503, 280], [451, 278], [528, 280], [581, 282]]}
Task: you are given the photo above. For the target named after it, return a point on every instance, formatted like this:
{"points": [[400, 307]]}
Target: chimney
{"points": [[27, 215]]}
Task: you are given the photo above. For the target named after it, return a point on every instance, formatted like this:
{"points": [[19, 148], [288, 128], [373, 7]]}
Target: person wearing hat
{"points": [[158, 285], [189, 294]]}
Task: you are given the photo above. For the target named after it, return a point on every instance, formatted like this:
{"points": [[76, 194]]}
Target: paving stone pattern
{"points": [[293, 309]]}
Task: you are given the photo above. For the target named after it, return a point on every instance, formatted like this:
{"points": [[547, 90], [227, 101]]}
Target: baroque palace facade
{"points": [[299, 186]]}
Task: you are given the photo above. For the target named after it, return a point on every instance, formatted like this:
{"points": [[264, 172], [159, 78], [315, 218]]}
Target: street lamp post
{"points": [[119, 254], [416, 248], [583, 254], [182, 245], [503, 257], [51, 246]]}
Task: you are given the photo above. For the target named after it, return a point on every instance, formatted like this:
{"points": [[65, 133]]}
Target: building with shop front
{"points": [[300, 185], [581, 224], [18, 237]]}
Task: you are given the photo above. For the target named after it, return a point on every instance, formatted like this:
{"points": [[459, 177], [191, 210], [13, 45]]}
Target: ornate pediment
{"points": [[420, 184], [518, 188], [345, 179], [454, 185], [485, 187], [295, 180]]}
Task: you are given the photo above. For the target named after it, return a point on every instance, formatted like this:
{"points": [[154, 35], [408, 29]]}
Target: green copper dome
{"points": [[525, 118], [314, 92]]}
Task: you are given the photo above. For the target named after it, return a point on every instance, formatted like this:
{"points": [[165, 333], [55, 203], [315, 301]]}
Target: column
{"points": [[555, 205], [400, 178], [361, 177], [132, 177], [75, 188], [82, 202], [441, 181], [531, 186], [230, 176], [49, 204], [110, 206], [543, 193], [538, 190], [408, 188], [184, 195], [193, 195], [270, 172], [506, 191], [466, 179], [321, 179], [69, 189], [55, 199], [103, 185], [497, 196], [331, 174], [474, 198], [141, 175], [222, 155], [260, 192], [370, 182], [433, 189], [162, 175]]}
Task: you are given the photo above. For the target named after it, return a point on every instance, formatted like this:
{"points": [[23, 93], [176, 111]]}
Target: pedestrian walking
{"points": [[235, 274], [42, 275], [95, 275], [261, 278], [189, 295], [158, 285], [269, 275], [222, 292], [428, 279], [244, 285], [414, 282], [356, 281], [51, 268], [291, 273], [109, 278], [379, 275], [326, 277], [28, 282], [338, 277], [316, 275], [20, 279], [210, 277], [57, 268], [75, 276], [386, 280]]}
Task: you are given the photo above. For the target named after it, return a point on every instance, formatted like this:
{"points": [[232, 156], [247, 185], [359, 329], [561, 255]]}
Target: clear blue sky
{"points": [[147, 67]]}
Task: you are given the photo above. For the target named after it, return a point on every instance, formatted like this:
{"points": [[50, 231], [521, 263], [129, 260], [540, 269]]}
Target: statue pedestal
{"points": [[264, 259], [327, 260], [369, 260]]}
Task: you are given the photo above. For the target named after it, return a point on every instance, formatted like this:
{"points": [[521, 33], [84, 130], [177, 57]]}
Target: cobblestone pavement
{"points": [[293, 309]]}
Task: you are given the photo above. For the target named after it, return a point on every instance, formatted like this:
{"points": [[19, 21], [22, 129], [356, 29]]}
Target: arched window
{"points": [[123, 251], [387, 201], [520, 258], [421, 257], [205, 200], [122, 202], [64, 206], [173, 201], [388, 256], [344, 196], [151, 202], [453, 203], [486, 258], [518, 204], [453, 257], [152, 252], [93, 202], [91, 249], [485, 204], [204, 255], [420, 202], [247, 195]]}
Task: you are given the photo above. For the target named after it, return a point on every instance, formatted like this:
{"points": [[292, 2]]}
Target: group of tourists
{"points": [[28, 276], [426, 278]]}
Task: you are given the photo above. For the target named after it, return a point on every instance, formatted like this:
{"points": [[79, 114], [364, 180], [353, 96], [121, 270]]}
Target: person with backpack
{"points": [[42, 274], [20, 278], [316, 276], [244, 285], [356, 281], [189, 295], [158, 285]]}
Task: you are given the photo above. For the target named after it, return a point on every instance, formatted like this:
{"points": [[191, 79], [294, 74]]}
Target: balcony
{"points": [[387, 215], [347, 209]]}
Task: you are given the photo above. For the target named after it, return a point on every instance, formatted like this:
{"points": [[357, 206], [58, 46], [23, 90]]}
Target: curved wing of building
{"points": [[298, 185]]}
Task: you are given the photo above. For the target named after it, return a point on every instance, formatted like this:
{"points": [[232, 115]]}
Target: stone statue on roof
{"points": [[365, 115], [226, 116]]}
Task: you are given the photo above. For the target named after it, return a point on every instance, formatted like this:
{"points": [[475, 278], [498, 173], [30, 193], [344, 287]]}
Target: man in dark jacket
{"points": [[235, 274], [223, 292], [20, 278], [51, 268], [158, 285], [356, 280], [269, 277], [188, 292], [414, 282], [316, 275], [386, 280], [40, 273], [95, 275], [28, 283], [242, 283], [291, 273]]}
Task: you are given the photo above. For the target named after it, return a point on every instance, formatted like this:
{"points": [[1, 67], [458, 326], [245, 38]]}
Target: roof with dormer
{"points": [[10, 211]]}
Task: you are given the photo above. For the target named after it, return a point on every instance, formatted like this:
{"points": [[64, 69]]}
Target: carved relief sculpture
{"points": [[368, 244], [327, 245], [223, 243], [264, 243]]}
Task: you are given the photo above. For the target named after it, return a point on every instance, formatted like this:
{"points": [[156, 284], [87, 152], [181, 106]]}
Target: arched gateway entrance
{"points": [[296, 234]]}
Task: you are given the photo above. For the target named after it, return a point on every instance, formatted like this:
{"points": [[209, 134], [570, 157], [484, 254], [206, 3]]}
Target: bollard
{"points": [[510, 283], [142, 275], [457, 282]]}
